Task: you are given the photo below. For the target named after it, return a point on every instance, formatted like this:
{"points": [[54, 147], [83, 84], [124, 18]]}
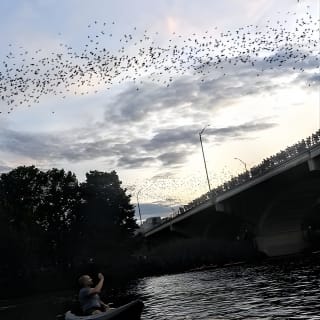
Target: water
{"points": [[284, 289], [287, 289]]}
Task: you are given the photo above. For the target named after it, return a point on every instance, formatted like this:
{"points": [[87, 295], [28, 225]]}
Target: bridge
{"points": [[273, 205]]}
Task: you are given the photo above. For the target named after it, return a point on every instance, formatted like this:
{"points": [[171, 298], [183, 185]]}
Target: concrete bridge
{"points": [[273, 209]]}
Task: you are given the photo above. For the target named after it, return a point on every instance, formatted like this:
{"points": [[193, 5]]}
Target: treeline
{"points": [[51, 226]]}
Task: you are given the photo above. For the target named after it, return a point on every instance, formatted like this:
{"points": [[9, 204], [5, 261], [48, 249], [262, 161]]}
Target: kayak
{"points": [[130, 311]]}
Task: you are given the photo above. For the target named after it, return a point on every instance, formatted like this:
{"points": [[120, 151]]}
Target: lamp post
{"points": [[139, 206], [204, 159], [144, 187], [245, 165]]}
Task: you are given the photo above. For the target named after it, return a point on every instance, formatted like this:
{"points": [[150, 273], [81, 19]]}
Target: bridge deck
{"points": [[303, 157]]}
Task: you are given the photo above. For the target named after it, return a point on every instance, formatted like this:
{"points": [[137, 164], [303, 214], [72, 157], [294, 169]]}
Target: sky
{"points": [[127, 85]]}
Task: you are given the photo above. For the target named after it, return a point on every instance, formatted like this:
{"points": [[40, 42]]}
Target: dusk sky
{"points": [[127, 85]]}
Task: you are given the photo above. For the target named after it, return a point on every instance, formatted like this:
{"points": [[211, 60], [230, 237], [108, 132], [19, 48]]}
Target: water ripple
{"points": [[276, 290]]}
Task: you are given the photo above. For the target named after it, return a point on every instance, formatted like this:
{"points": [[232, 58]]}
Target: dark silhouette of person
{"points": [[89, 298]]}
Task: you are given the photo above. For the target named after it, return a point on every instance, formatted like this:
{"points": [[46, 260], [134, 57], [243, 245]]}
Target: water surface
{"points": [[273, 290], [281, 289]]}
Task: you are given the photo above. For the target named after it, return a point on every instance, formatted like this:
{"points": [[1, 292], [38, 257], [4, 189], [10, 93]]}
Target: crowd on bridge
{"points": [[262, 168]]}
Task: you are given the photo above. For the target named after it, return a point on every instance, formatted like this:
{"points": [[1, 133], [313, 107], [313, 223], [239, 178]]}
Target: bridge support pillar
{"points": [[314, 164]]}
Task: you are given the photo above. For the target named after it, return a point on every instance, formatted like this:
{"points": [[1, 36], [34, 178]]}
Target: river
{"points": [[287, 288]]}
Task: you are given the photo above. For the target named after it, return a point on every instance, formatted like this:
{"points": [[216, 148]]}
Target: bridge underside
{"points": [[207, 224], [283, 226], [276, 210], [274, 215]]}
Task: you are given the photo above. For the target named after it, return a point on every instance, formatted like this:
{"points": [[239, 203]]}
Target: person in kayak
{"points": [[89, 298]]}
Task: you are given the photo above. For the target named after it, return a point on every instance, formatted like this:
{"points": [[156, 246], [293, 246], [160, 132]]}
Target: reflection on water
{"points": [[273, 290]]}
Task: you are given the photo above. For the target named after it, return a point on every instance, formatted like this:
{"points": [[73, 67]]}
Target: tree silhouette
{"points": [[108, 215], [39, 214], [58, 215], [53, 224], [20, 197]]}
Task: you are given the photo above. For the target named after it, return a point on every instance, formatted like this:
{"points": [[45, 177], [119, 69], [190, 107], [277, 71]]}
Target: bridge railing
{"points": [[262, 168]]}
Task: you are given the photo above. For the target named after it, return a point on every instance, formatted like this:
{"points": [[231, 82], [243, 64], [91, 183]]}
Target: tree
{"points": [[20, 196], [51, 221], [42, 211], [108, 214], [58, 215]]}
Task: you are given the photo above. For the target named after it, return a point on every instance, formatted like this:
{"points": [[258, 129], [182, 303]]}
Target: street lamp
{"points": [[245, 165], [204, 159], [145, 187], [139, 206]]}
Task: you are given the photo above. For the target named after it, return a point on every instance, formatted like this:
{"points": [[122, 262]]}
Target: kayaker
{"points": [[89, 298]]}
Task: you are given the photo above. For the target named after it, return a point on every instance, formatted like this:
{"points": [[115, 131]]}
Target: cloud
{"points": [[308, 80], [27, 144], [173, 158], [56, 146], [164, 175], [168, 147], [133, 105], [192, 97], [143, 128], [243, 131], [171, 147], [131, 161], [164, 139], [4, 168]]}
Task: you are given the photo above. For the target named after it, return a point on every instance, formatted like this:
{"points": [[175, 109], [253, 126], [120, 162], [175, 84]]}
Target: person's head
{"points": [[85, 281]]}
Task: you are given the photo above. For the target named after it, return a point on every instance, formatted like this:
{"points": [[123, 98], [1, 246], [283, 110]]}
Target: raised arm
{"points": [[98, 287]]}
